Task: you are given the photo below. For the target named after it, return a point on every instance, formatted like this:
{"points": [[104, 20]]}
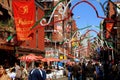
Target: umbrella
{"points": [[50, 59], [39, 57], [44, 60], [30, 57]]}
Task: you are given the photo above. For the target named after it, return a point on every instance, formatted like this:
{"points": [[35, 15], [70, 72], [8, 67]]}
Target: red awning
{"points": [[30, 57]]}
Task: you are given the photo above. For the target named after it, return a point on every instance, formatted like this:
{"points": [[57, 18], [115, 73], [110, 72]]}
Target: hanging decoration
{"points": [[63, 12], [24, 15]]}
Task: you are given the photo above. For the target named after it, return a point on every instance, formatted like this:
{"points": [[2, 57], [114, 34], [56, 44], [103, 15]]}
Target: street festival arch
{"points": [[62, 13], [102, 41]]}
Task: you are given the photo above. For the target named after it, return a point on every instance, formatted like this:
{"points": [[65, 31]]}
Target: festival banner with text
{"points": [[24, 16]]}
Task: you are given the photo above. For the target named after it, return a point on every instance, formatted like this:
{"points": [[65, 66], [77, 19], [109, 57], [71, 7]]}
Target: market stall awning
{"points": [[50, 59], [30, 57]]}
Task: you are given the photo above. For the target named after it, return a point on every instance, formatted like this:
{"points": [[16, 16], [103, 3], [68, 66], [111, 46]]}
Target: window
{"points": [[36, 38], [36, 13]]}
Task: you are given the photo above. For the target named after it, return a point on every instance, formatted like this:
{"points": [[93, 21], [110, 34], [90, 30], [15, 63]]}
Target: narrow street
{"points": [[64, 78], [59, 39]]}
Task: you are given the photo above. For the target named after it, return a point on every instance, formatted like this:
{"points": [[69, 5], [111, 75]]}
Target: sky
{"points": [[85, 15]]}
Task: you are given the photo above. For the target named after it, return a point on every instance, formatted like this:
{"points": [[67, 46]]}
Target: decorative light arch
{"points": [[60, 3]]}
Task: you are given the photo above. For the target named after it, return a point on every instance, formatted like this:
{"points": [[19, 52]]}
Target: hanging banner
{"points": [[109, 27], [24, 17]]}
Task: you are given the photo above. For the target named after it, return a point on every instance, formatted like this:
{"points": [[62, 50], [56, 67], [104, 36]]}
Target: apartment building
{"points": [[47, 39], [10, 47], [59, 29], [114, 20]]}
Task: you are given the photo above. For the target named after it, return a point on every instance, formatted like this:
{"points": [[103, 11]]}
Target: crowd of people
{"points": [[13, 73], [93, 71], [73, 71], [19, 72]]}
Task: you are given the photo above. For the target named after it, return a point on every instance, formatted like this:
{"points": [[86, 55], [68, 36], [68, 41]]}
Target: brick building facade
{"points": [[14, 47]]}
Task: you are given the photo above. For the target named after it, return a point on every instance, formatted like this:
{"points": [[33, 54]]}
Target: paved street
{"points": [[64, 78]]}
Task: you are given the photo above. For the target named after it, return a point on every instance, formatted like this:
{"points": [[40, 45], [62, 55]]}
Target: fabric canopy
{"points": [[30, 57], [50, 59]]}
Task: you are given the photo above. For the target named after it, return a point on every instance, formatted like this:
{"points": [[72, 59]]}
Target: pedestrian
{"points": [[75, 71], [24, 73], [18, 72], [90, 71], [80, 71], [37, 73], [17, 67], [69, 68], [118, 67], [114, 71], [3, 74], [83, 70], [98, 72], [12, 73]]}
